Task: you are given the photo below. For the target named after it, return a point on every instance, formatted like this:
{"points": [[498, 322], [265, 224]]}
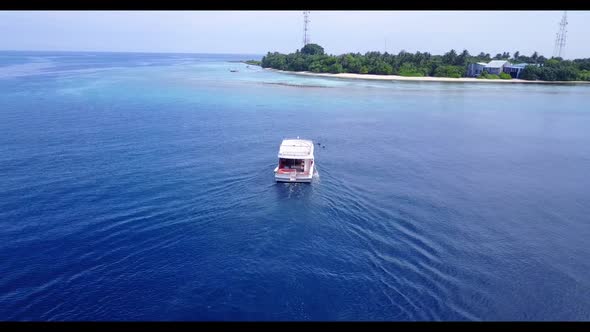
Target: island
{"points": [[253, 62], [452, 66]]}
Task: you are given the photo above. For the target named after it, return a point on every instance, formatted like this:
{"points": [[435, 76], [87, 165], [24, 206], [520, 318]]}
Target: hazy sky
{"points": [[256, 32]]}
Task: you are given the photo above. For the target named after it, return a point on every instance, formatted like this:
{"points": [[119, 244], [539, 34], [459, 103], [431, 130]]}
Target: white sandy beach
{"points": [[422, 79]]}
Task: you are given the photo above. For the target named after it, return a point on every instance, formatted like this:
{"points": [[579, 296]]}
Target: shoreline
{"points": [[420, 79]]}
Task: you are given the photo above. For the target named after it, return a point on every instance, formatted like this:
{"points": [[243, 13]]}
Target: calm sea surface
{"points": [[140, 187]]}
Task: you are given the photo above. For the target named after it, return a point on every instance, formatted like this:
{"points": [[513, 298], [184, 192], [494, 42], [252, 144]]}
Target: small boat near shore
{"points": [[296, 161]]}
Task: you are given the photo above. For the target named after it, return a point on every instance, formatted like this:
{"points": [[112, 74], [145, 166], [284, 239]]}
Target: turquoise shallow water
{"points": [[140, 187]]}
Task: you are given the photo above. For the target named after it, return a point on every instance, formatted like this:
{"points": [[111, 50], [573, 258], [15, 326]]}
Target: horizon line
{"points": [[256, 54], [150, 52]]}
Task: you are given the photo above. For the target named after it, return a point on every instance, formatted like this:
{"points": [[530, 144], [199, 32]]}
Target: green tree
{"points": [[336, 68], [584, 75], [409, 69], [298, 64], [383, 68], [534, 57], [552, 63], [315, 67], [449, 71], [450, 58], [312, 49], [462, 58], [530, 73], [583, 64], [516, 55]]}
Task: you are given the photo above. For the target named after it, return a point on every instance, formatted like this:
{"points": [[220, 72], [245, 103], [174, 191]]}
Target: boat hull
{"points": [[295, 180], [299, 177]]}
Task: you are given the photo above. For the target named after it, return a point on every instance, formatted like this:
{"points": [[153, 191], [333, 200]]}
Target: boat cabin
{"points": [[295, 161]]}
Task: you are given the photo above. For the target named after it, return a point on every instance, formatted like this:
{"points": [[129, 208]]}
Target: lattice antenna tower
{"points": [[306, 28], [560, 37]]}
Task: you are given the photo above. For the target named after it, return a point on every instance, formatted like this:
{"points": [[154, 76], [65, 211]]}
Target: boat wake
{"points": [[316, 176]]}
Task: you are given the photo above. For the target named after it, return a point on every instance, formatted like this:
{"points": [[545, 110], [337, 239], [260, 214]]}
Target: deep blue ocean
{"points": [[141, 187]]}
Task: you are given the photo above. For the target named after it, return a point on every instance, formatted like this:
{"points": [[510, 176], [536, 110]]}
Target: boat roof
{"points": [[296, 149]]}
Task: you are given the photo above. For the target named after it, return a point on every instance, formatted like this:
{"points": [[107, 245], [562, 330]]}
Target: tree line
{"points": [[312, 58]]}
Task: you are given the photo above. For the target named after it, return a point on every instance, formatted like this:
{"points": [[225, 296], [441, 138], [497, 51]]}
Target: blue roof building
{"points": [[496, 67], [515, 71]]}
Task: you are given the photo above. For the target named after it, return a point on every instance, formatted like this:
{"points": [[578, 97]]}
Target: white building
{"points": [[475, 69], [496, 67]]}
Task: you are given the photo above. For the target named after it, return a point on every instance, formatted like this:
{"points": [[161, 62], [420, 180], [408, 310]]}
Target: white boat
{"points": [[295, 161]]}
